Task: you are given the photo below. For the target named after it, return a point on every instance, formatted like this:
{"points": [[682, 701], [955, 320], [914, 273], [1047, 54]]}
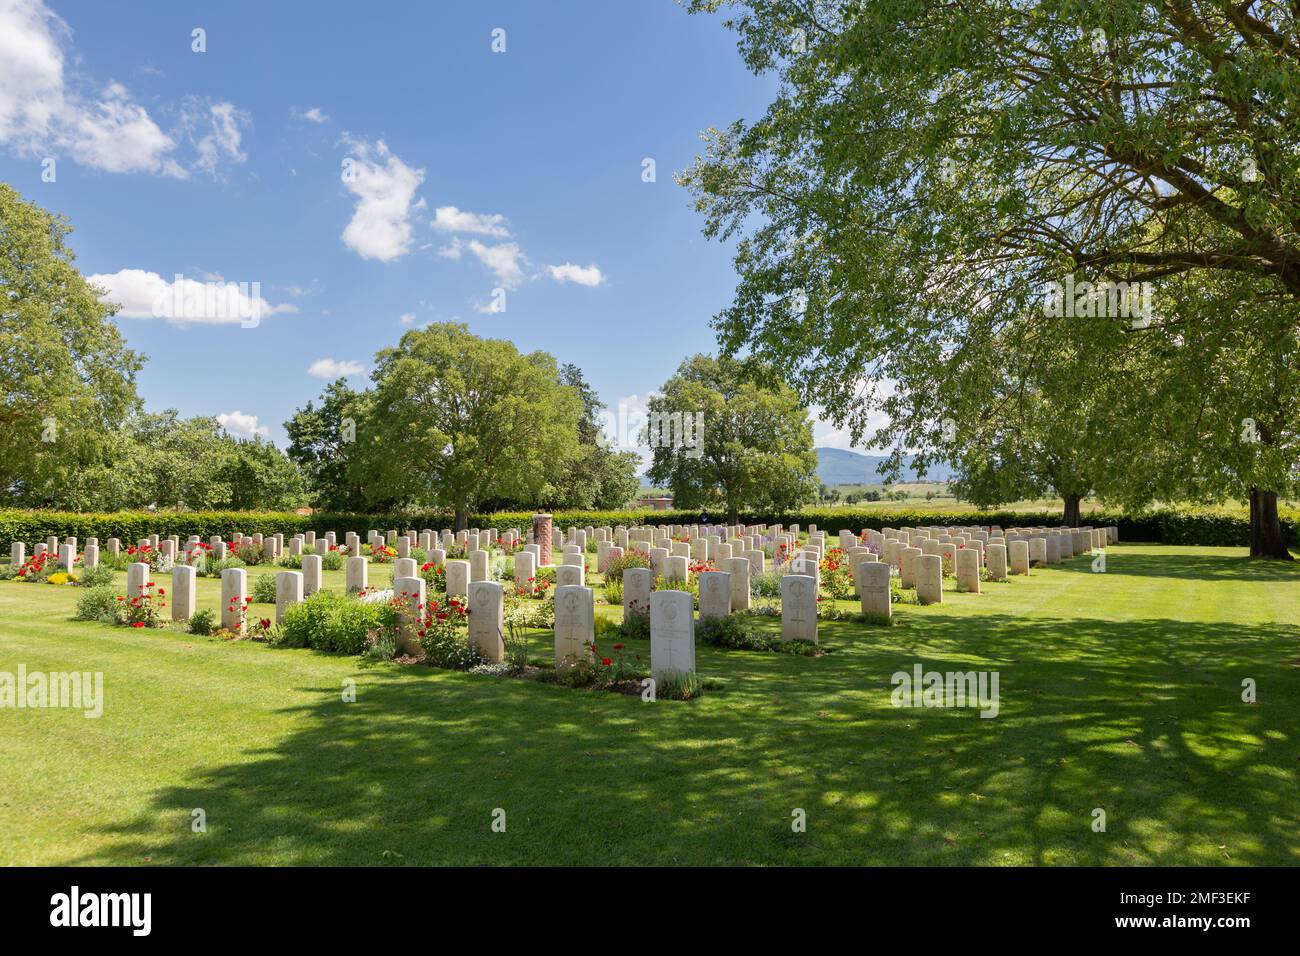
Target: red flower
{"points": [[618, 647], [606, 661], [137, 624]]}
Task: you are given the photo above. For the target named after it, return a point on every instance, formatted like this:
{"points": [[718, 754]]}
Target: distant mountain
{"points": [[835, 466]]}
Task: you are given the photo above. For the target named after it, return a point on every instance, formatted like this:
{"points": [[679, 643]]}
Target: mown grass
{"points": [[1119, 690]]}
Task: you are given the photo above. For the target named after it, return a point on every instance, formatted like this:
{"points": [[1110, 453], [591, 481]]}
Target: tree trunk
{"points": [[1266, 540], [462, 518], [1072, 519]]}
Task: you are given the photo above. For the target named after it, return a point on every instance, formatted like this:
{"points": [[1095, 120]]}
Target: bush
{"points": [[332, 622], [203, 623], [767, 584], [213, 569], [97, 577], [250, 554], [733, 632], [444, 636], [331, 561], [614, 592], [263, 591], [97, 604], [628, 559], [636, 625], [380, 646]]}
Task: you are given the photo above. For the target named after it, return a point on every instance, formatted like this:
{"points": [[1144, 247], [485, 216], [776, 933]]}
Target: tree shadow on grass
{"points": [[1201, 567], [1143, 719]]}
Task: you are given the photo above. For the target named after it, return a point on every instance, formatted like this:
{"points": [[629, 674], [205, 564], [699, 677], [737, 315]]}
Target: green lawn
{"points": [[1119, 690]]}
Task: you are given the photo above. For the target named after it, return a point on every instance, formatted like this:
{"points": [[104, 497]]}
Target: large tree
{"points": [[927, 168], [455, 420], [67, 380], [754, 450], [320, 438]]}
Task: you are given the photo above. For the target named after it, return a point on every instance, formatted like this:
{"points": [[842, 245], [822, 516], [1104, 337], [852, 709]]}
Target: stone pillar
{"points": [[799, 607], [542, 535], [184, 577], [929, 579], [487, 619], [356, 574], [311, 569], [234, 589], [575, 624]]}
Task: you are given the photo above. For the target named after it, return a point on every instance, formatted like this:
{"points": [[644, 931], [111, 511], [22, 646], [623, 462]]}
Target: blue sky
{"points": [[472, 171]]}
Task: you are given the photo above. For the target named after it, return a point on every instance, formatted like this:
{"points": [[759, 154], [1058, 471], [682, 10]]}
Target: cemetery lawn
{"points": [[1119, 691]]}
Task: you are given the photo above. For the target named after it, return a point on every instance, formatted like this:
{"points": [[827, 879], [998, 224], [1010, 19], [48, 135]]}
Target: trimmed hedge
{"points": [[1191, 526]]}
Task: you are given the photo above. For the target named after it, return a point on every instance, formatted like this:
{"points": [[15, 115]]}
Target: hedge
{"points": [[1168, 526]]}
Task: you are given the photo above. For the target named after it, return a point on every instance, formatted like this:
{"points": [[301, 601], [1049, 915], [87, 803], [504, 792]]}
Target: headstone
{"points": [[288, 590], [715, 594], [234, 588], [67, 556], [967, 568], [410, 595], [356, 574], [873, 587], [184, 578], [404, 568], [677, 572], [575, 624], [486, 618], [997, 561], [799, 608], [17, 554], [636, 591], [738, 568], [907, 566], [457, 578], [90, 557], [1019, 552], [137, 576], [929, 579], [1038, 552], [672, 633], [525, 568], [311, 570], [569, 575]]}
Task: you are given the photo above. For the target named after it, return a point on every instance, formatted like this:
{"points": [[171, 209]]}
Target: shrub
{"points": [[767, 584], [628, 559], [97, 604], [250, 554], [331, 561], [636, 624], [203, 623], [263, 591], [293, 562], [144, 610], [97, 577], [732, 632], [381, 645], [213, 569], [60, 577], [444, 636], [332, 622], [614, 592]]}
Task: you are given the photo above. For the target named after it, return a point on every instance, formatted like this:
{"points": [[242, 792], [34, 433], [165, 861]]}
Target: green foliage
{"points": [[475, 420], [318, 441], [635, 626], [97, 604], [756, 449], [628, 559], [203, 622], [263, 590], [99, 576], [67, 380], [678, 685], [333, 622], [331, 561]]}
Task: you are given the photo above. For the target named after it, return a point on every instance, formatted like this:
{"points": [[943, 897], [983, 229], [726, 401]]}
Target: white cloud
{"points": [[452, 250], [407, 318], [239, 425], [827, 435], [451, 219], [494, 305], [385, 188], [147, 295], [223, 140], [46, 112], [590, 276], [333, 368], [313, 115], [505, 259]]}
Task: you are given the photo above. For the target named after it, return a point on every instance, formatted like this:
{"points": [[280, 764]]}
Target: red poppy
{"points": [[137, 624], [606, 661]]}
